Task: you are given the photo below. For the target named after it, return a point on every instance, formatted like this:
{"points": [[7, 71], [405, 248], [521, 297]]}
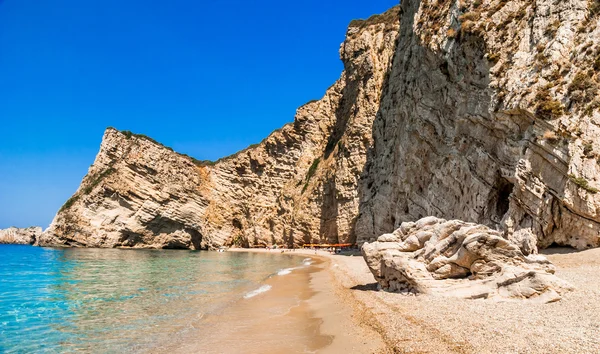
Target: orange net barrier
{"points": [[327, 245]]}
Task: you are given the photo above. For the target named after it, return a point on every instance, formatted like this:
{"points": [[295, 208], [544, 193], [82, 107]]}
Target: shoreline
{"points": [[298, 311], [340, 315], [430, 324], [333, 306]]}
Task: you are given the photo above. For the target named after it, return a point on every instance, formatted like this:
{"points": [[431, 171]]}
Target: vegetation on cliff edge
{"points": [[391, 17]]}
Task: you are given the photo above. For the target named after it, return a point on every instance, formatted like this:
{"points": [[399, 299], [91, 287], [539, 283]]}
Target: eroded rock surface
{"points": [[483, 111], [455, 258], [491, 116], [14, 235], [299, 185]]}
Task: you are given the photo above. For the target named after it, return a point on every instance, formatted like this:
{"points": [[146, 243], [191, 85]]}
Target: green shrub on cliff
{"points": [[95, 180], [201, 163], [69, 203], [389, 17], [313, 169], [128, 134], [581, 82], [583, 183], [583, 88], [548, 107], [311, 172]]}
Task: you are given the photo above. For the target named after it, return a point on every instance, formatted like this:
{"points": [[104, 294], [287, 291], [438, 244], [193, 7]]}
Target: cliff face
{"points": [[485, 111], [491, 116], [136, 194], [298, 185]]}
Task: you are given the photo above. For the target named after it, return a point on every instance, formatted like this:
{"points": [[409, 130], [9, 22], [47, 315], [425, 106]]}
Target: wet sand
{"points": [[428, 324], [338, 309], [304, 311]]}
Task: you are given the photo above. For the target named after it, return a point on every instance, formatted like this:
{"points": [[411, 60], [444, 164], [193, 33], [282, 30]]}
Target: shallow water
{"points": [[276, 318], [114, 301]]}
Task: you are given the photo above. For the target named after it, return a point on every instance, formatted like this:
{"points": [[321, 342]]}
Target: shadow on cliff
{"points": [[556, 249], [330, 204], [415, 162], [165, 226]]}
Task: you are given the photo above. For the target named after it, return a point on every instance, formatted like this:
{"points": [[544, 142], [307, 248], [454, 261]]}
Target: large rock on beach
{"points": [[460, 259]]}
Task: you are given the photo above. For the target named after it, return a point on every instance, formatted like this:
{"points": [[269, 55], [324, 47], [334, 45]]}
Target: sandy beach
{"points": [[340, 310], [301, 310], [392, 322], [426, 324], [340, 318]]}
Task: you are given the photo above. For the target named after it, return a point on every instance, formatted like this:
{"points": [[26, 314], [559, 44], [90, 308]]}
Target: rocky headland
{"points": [[478, 120], [299, 185], [482, 111]]}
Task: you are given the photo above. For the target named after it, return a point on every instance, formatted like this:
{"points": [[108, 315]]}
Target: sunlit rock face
{"points": [[299, 185], [458, 259], [490, 115], [17, 236], [482, 111]]}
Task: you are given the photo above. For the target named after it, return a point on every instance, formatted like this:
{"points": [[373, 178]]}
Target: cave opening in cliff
{"points": [[504, 189], [498, 201]]}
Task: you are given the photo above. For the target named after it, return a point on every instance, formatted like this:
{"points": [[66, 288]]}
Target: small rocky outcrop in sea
{"points": [[15, 235], [460, 259]]}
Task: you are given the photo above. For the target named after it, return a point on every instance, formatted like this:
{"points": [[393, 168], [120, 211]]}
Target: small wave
{"points": [[258, 291], [307, 261], [285, 271]]}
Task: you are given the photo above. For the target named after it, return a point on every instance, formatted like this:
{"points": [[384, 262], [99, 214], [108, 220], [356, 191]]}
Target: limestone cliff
{"points": [[298, 185], [490, 115], [485, 111]]}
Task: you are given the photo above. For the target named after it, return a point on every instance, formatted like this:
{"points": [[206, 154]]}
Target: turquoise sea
{"points": [[114, 300]]}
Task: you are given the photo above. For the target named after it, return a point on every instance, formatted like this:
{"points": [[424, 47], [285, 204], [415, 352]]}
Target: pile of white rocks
{"points": [[460, 259]]}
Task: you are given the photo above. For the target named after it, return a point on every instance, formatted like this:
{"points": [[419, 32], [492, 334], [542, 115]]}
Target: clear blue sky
{"points": [[207, 78]]}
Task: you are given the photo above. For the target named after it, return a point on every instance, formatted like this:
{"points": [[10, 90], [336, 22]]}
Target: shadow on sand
{"points": [[365, 287]]}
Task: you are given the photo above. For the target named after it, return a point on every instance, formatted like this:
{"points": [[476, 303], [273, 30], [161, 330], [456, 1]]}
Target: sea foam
{"points": [[285, 271], [258, 291]]}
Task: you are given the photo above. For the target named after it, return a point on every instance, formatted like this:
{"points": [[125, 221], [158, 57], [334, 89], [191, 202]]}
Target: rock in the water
{"points": [[14, 235], [460, 259]]}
